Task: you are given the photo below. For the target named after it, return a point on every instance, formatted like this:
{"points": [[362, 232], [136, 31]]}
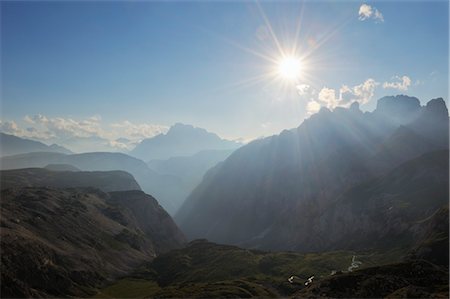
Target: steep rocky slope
{"points": [[66, 242]]}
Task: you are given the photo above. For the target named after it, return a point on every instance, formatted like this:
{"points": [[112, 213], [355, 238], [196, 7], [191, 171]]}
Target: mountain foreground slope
{"points": [[58, 241]]}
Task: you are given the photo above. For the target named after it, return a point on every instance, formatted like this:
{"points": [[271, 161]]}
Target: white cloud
{"points": [[138, 131], [327, 96], [331, 98], [303, 89], [402, 83], [361, 93], [368, 12], [9, 127], [88, 134], [312, 107]]}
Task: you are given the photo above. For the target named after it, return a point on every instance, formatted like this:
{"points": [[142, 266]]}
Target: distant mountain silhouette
{"points": [[180, 140], [190, 170], [13, 145], [272, 192], [167, 189]]}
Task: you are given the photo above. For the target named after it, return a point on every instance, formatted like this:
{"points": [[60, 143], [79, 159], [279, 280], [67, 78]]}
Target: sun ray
{"points": [[269, 26]]}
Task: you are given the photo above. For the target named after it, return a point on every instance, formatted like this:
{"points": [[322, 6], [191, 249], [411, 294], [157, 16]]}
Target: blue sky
{"points": [[135, 68]]}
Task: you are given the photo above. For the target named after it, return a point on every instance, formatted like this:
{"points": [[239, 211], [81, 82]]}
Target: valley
{"points": [[348, 204]]}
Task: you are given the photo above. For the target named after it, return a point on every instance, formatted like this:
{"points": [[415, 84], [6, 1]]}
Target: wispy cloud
{"points": [[400, 83], [367, 12]]}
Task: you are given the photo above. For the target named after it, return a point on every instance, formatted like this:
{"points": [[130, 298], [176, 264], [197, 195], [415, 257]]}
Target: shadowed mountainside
{"points": [[40, 177], [273, 192], [73, 240]]}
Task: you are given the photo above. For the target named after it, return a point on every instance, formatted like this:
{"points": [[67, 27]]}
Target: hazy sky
{"points": [[131, 69]]}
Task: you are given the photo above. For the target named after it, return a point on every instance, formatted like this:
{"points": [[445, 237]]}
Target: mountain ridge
{"points": [[11, 144], [180, 140], [248, 195]]}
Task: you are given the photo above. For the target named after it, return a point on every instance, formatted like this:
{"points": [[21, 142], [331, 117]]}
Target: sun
{"points": [[290, 68]]}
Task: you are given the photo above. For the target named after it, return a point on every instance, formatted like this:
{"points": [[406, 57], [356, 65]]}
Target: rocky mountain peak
{"points": [[399, 109], [437, 108]]}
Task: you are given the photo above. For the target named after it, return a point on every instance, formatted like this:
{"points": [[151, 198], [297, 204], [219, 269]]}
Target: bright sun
{"points": [[290, 68]]}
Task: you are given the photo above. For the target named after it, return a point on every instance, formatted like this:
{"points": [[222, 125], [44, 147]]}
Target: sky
{"points": [[99, 70]]}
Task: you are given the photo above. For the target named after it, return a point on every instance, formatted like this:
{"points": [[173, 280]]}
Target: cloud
{"points": [[367, 12], [402, 83], [327, 96], [303, 89], [361, 93], [306, 92], [138, 131], [9, 127], [312, 107], [88, 134], [332, 98]]}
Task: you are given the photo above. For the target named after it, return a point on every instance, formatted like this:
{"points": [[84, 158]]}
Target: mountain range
{"points": [[170, 179], [348, 204], [341, 173], [180, 140], [13, 145]]}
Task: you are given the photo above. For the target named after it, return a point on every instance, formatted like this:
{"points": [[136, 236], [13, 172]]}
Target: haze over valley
{"points": [[224, 150]]}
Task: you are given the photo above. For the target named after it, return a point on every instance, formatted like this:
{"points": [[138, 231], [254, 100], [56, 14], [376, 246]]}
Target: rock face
{"points": [[272, 193], [12, 145], [65, 242], [180, 140]]}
